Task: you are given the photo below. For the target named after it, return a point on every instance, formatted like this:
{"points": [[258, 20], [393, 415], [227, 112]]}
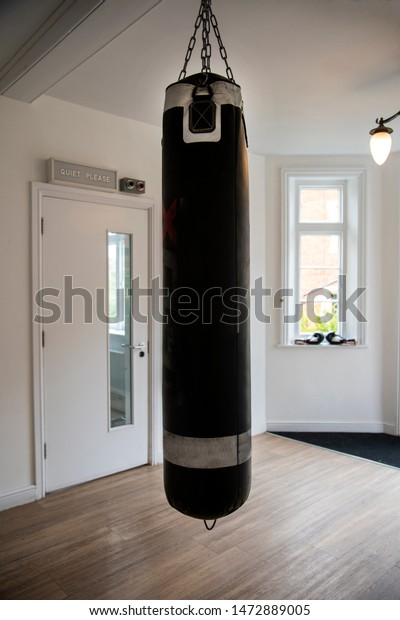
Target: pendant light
{"points": [[381, 139]]}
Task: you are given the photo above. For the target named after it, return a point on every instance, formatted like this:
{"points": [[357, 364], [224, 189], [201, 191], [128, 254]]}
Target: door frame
{"points": [[39, 191]]}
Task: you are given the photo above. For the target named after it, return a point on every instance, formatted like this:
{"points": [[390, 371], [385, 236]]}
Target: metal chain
{"points": [[206, 49], [205, 17], [192, 43], [222, 49]]}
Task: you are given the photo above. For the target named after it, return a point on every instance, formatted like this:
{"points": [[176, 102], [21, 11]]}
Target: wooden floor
{"points": [[318, 525]]}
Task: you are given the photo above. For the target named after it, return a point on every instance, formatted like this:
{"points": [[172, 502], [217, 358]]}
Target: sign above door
{"points": [[68, 173]]}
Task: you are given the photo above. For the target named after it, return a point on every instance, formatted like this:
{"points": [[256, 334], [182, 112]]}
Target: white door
{"points": [[95, 379]]}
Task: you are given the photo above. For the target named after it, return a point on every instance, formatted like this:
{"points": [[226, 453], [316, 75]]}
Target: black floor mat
{"points": [[373, 446]]}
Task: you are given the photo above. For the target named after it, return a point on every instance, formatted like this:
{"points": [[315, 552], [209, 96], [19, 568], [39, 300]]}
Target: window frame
{"points": [[352, 228]]}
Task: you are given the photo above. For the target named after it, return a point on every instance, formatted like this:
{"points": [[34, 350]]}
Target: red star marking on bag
{"points": [[168, 222]]}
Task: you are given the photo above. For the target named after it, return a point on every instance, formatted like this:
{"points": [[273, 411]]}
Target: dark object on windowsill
{"points": [[336, 339], [316, 338]]}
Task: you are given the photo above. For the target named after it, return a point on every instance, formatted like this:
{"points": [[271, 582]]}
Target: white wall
{"points": [[354, 389], [30, 134], [390, 289], [258, 216]]}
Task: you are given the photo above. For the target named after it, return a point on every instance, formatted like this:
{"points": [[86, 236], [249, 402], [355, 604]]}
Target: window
{"points": [[323, 254]]}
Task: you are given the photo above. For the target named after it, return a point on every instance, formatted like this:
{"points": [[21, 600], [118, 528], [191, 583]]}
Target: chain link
{"points": [[207, 18], [192, 43], [222, 49], [206, 49]]}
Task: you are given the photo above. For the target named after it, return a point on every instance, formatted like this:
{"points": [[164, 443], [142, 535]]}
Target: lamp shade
{"points": [[380, 145]]}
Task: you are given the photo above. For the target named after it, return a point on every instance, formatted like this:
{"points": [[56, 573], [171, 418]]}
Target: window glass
{"points": [[319, 269], [320, 205]]}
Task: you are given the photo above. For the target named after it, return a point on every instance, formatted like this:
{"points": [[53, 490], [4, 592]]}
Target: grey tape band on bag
{"points": [[207, 452], [223, 93], [180, 95]]}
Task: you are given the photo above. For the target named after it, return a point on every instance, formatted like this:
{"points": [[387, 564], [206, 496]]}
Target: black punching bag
{"points": [[206, 337]]}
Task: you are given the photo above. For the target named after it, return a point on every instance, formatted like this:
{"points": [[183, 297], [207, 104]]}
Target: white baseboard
{"points": [[330, 427], [17, 498], [258, 428], [389, 429]]}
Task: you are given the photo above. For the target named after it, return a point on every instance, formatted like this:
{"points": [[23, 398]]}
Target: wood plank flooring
{"points": [[317, 525]]}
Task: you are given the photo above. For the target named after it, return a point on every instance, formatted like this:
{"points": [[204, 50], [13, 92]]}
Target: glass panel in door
{"points": [[119, 328]]}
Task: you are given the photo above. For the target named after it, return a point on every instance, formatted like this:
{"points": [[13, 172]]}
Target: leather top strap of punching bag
{"points": [[206, 338]]}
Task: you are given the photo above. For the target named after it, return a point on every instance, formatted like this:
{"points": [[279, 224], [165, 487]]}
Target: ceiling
{"points": [[314, 73]]}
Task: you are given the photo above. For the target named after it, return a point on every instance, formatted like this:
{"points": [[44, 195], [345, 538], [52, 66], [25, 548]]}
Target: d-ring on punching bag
{"points": [[206, 344]]}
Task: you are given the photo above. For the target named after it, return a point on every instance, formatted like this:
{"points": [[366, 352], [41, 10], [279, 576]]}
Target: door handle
{"points": [[140, 346]]}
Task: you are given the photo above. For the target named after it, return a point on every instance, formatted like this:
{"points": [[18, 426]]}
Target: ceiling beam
{"points": [[74, 32]]}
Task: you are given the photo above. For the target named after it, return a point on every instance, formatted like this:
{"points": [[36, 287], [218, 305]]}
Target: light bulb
{"points": [[380, 145]]}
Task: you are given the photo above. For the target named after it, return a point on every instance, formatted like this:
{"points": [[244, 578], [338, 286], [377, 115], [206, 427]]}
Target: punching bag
{"points": [[206, 334]]}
